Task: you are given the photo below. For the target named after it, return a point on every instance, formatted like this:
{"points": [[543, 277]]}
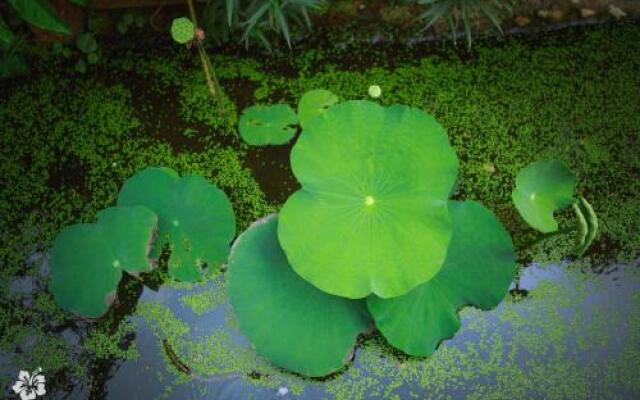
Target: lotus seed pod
{"points": [[375, 91], [182, 30]]}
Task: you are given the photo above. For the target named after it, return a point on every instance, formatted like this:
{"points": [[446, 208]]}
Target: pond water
{"points": [[567, 334], [562, 333]]}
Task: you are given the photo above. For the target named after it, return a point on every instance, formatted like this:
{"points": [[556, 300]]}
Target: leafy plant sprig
{"points": [[460, 12]]}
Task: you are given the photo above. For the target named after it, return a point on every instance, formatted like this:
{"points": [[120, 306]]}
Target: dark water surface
{"points": [[568, 338]]}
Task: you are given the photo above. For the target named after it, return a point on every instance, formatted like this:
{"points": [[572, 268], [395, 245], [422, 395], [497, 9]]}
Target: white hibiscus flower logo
{"points": [[30, 386]]}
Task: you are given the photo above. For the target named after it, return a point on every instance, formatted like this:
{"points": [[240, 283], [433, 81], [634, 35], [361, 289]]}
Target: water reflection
{"points": [[575, 335]]}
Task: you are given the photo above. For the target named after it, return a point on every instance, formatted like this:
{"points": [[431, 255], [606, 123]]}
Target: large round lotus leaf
{"points": [[290, 322], [262, 125], [543, 187], [480, 266], [88, 259], [314, 103], [195, 218], [371, 216], [182, 30]]}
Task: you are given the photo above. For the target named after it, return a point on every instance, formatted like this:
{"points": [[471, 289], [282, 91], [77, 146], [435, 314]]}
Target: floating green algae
{"points": [[553, 344]]}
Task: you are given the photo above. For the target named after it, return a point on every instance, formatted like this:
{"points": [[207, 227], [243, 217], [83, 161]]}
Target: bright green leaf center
{"points": [[369, 201]]}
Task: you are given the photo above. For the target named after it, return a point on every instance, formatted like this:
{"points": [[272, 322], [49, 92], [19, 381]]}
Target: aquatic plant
{"points": [[373, 220], [480, 265], [371, 216], [272, 301], [88, 260], [374, 91], [187, 32], [546, 186], [543, 187], [261, 125], [195, 219], [183, 30], [314, 103], [276, 124]]}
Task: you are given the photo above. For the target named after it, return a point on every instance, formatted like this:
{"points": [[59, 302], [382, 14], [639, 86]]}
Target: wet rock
{"points": [[521, 20], [617, 12], [587, 13]]}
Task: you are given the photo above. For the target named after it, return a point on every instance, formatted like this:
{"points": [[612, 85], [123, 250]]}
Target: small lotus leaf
{"points": [[262, 125], [314, 103], [289, 321], [88, 259], [375, 91], [480, 266], [195, 218], [543, 187], [182, 30], [371, 216]]}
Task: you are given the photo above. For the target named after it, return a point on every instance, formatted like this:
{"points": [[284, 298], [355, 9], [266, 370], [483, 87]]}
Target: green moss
{"points": [[206, 300]]}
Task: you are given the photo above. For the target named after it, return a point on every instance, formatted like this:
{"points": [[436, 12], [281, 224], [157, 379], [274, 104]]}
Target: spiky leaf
{"points": [[480, 266], [195, 219], [88, 259], [290, 322], [543, 187], [371, 216], [263, 125]]}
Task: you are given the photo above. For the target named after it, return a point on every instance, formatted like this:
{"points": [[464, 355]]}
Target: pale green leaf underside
{"points": [[263, 125], [371, 216], [543, 187], [88, 259], [195, 218], [314, 103], [290, 322], [479, 268]]}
